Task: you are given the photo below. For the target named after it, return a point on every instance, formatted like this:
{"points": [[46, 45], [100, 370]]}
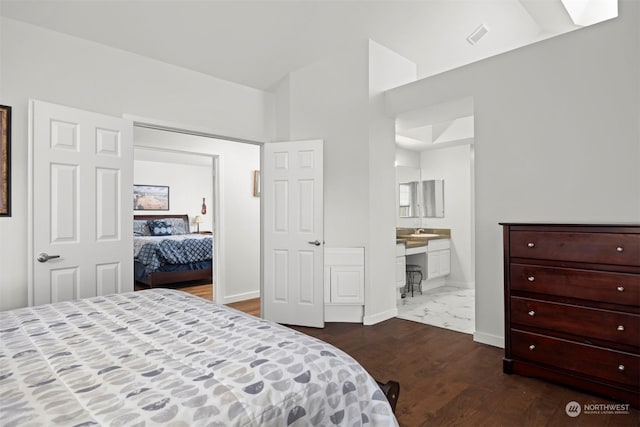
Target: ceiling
{"points": [[256, 43]]}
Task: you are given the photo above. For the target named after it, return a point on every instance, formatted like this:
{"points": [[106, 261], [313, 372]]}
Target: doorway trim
{"points": [[219, 245]]}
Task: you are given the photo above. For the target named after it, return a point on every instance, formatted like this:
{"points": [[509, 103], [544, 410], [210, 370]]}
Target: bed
{"points": [[165, 357], [179, 256]]}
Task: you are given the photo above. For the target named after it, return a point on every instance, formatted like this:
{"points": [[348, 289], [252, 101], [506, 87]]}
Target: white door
{"points": [[81, 206], [292, 196]]}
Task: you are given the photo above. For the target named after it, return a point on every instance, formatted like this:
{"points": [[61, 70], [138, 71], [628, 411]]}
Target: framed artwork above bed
{"points": [[150, 197]]}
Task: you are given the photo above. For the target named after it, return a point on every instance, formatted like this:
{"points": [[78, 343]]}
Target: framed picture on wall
{"points": [[5, 160], [150, 197]]}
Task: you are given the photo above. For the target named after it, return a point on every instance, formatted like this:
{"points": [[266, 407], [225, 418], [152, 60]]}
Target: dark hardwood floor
{"points": [[447, 379]]}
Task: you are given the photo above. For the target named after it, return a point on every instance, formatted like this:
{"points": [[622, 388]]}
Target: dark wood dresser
{"points": [[572, 306]]}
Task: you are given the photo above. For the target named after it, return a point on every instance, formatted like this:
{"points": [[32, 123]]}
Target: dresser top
{"points": [[575, 224]]}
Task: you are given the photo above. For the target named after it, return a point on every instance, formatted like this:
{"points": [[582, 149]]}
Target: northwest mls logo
{"points": [[573, 409]]}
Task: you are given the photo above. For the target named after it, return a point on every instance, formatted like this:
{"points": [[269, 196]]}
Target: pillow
{"points": [[159, 228], [141, 227], [176, 224]]}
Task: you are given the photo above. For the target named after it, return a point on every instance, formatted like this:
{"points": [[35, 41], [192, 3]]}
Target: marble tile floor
{"points": [[446, 307]]}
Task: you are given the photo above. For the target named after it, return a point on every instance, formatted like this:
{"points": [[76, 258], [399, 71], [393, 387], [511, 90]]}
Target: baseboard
{"points": [[343, 313], [489, 339], [241, 297], [380, 317], [461, 285], [427, 285]]}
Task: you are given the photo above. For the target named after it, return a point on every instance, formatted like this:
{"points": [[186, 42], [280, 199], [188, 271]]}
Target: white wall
{"points": [[407, 158], [238, 243], [42, 64], [187, 183], [556, 139], [453, 165], [386, 69]]}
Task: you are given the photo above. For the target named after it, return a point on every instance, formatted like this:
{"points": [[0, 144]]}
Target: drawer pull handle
{"points": [[532, 347], [621, 368], [620, 249], [620, 288], [532, 313], [531, 244], [621, 328], [531, 278]]}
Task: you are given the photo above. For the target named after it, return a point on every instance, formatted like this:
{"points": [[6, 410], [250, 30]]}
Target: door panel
{"points": [[292, 195], [81, 208]]}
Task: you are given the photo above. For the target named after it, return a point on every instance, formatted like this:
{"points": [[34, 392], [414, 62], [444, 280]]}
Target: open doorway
{"points": [[436, 144], [219, 173]]}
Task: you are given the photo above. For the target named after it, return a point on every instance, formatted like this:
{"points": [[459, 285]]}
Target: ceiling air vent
{"points": [[477, 34]]}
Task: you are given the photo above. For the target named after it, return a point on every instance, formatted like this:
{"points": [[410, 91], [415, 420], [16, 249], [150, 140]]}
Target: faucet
{"points": [[419, 230]]}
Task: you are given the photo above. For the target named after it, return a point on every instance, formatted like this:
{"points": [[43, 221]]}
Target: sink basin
{"points": [[425, 235]]}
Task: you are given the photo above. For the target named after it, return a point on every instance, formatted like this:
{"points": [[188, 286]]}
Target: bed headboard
{"points": [[184, 217]]}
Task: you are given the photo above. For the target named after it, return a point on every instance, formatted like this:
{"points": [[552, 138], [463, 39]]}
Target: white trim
{"points": [[188, 129], [240, 297], [343, 313], [219, 240], [461, 285], [380, 317], [489, 339], [30, 180], [218, 235], [438, 282]]}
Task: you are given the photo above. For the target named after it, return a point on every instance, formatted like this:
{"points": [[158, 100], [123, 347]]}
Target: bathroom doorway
{"points": [[442, 150]]}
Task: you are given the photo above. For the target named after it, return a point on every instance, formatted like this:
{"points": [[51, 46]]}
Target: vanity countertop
{"points": [[413, 240]]}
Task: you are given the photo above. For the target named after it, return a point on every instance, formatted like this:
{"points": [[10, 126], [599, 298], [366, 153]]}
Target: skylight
{"points": [[589, 12]]}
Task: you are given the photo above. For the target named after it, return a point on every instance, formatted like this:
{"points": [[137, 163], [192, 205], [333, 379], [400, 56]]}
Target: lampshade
{"points": [[198, 219]]}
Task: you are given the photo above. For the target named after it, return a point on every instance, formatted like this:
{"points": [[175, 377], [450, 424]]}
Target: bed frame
{"points": [[172, 277]]}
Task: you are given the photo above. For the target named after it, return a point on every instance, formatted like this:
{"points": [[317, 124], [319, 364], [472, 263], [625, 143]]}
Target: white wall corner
{"points": [[379, 317], [489, 339], [240, 297]]}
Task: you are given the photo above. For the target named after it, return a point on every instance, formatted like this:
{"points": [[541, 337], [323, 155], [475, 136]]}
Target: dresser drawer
{"points": [[598, 286], [600, 248], [588, 323], [581, 359]]}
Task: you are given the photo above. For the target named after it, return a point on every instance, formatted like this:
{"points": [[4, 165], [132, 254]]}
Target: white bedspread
{"points": [[163, 357]]}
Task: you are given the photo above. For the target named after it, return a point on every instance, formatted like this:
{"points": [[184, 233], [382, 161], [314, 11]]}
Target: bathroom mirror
{"points": [[433, 198], [408, 191], [408, 199]]}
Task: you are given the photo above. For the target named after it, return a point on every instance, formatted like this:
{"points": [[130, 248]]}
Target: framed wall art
{"points": [[5, 160], [150, 197]]}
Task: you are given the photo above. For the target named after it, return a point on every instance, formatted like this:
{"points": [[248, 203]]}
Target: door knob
{"points": [[316, 242], [44, 257]]}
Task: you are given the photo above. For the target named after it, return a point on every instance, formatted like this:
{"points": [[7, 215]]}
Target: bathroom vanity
{"points": [[428, 248]]}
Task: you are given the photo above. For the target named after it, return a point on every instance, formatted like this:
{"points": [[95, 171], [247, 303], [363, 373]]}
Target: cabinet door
{"points": [[433, 264], [401, 267], [347, 285], [444, 262], [438, 263]]}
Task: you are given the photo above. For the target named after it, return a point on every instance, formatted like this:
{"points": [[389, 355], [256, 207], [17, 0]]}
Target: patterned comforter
{"points": [[154, 252], [163, 357]]}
